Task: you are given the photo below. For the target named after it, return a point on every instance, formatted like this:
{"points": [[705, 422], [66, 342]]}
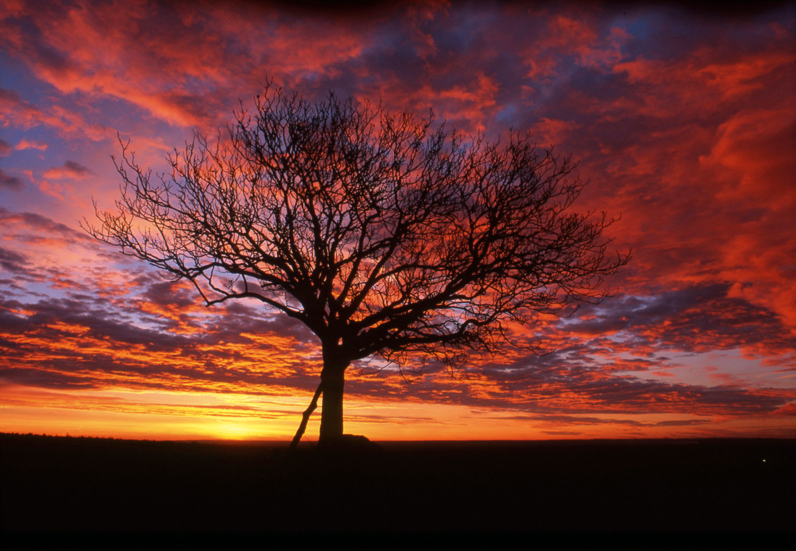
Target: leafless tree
{"points": [[385, 234]]}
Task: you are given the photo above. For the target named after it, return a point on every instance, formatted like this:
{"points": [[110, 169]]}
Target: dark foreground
{"points": [[85, 484]]}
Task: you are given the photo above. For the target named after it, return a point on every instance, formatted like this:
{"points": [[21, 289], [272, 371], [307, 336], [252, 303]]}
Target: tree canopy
{"points": [[385, 234]]}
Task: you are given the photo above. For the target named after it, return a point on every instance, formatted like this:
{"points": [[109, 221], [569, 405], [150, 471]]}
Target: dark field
{"points": [[86, 484]]}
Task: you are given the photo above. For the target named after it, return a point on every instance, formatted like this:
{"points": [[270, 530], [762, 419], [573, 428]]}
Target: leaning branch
{"points": [[305, 417]]}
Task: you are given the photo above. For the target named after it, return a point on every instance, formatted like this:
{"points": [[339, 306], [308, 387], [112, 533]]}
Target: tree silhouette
{"points": [[385, 234]]}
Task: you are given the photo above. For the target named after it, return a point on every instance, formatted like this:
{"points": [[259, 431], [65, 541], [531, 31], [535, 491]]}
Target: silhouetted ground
{"points": [[87, 484]]}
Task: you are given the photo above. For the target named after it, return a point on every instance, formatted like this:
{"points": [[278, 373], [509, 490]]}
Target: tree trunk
{"points": [[332, 407], [333, 382]]}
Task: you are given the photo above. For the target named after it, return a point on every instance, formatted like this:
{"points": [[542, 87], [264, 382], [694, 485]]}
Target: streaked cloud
{"points": [[682, 119]]}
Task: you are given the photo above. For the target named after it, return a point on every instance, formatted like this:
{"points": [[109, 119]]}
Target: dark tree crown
{"points": [[385, 234]]}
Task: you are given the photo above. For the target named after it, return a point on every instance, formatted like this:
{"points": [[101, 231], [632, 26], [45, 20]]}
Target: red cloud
{"points": [[691, 140]]}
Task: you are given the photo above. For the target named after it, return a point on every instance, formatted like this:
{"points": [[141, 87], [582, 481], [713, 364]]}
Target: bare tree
{"points": [[385, 234]]}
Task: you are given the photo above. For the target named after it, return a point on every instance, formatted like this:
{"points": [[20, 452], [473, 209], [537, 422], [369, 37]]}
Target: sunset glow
{"points": [[683, 122]]}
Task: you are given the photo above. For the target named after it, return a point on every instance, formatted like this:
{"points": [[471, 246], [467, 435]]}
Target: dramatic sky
{"points": [[684, 123]]}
